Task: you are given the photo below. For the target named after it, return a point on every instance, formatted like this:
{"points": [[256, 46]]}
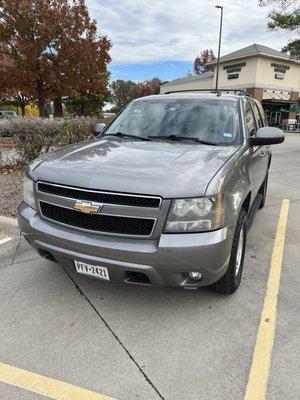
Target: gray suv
{"points": [[163, 196]]}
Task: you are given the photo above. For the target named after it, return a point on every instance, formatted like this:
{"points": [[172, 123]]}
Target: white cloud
{"points": [[156, 30]]}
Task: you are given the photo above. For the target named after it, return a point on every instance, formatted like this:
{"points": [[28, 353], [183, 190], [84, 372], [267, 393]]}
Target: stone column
{"points": [[257, 93], [294, 97]]}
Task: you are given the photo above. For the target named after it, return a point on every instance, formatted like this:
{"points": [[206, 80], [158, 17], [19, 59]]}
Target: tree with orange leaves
{"points": [[9, 84], [200, 63], [149, 87], [51, 49]]}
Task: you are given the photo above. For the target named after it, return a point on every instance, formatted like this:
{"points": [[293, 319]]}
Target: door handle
{"points": [[263, 154]]}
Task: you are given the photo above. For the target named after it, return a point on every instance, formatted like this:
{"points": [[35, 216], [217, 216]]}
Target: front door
{"points": [[259, 154]]}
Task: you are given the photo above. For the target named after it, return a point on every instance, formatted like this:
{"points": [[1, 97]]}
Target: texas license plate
{"points": [[92, 270]]}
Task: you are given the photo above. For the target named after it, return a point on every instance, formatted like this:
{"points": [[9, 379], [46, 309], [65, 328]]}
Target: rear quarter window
{"points": [[257, 116], [249, 120], [262, 113]]}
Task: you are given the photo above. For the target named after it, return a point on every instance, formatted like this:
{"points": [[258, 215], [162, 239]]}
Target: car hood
{"points": [[164, 168]]}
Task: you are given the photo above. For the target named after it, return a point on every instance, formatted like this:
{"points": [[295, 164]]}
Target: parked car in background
{"points": [[163, 196], [4, 116], [8, 114]]}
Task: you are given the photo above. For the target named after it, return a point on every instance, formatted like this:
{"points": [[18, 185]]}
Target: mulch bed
{"points": [[11, 189], [6, 143]]}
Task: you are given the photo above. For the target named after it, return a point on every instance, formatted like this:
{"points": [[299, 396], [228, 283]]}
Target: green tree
{"points": [[85, 103], [285, 15], [293, 49], [123, 92]]}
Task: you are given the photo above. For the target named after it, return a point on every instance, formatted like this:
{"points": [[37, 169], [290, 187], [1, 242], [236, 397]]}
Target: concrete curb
{"points": [[8, 225]]}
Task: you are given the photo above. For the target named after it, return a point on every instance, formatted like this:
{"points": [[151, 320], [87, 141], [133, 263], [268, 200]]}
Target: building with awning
{"points": [[266, 74]]}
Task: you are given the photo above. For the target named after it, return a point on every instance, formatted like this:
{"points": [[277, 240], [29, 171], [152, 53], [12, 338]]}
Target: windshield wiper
{"points": [[179, 138], [125, 135]]}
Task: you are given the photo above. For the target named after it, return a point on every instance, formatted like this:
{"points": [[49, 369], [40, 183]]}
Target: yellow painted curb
{"points": [[45, 386], [5, 240], [259, 373]]}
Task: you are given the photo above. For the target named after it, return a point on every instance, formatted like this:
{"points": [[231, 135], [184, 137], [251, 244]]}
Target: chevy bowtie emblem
{"points": [[87, 207]]}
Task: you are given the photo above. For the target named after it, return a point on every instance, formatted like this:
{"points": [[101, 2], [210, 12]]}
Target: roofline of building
{"points": [[254, 55], [185, 81]]}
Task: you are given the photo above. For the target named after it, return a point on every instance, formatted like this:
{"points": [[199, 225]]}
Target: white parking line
{"points": [[5, 240]]}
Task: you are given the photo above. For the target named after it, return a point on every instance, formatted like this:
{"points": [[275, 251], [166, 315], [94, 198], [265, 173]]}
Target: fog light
{"points": [[196, 276]]}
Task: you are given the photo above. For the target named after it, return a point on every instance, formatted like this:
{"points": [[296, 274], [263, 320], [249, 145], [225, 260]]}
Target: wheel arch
{"points": [[246, 203], [270, 159]]}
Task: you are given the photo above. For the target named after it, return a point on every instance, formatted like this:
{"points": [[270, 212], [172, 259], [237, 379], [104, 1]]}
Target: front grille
{"points": [[100, 197], [98, 222]]}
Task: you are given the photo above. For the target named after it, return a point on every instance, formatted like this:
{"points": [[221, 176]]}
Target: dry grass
{"points": [[11, 189]]}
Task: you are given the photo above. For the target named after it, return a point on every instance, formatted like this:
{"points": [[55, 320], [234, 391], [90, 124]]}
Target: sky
{"points": [[162, 37]]}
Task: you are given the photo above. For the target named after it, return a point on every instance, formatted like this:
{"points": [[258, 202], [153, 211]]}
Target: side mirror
{"points": [[266, 136], [98, 128]]}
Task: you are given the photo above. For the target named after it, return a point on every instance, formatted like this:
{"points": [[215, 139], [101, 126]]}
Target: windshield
{"points": [[213, 121]]}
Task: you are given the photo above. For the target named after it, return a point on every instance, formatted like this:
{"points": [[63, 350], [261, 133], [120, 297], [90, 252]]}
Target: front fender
{"points": [[233, 181]]}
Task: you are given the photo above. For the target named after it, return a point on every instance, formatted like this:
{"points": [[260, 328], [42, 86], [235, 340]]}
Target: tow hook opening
{"points": [[45, 254], [138, 278]]}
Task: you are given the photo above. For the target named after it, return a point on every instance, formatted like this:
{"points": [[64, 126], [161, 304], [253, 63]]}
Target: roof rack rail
{"points": [[218, 92]]}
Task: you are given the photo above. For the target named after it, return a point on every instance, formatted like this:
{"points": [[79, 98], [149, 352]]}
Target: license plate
{"points": [[92, 270]]}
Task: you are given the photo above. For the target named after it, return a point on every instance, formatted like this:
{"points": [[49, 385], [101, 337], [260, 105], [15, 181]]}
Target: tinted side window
{"points": [[257, 115], [250, 121]]}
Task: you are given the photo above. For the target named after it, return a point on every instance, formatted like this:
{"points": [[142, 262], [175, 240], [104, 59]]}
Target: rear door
{"points": [[259, 159]]}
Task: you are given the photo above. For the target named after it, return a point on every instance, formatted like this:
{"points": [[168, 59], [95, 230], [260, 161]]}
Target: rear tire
{"points": [[263, 192], [230, 282]]}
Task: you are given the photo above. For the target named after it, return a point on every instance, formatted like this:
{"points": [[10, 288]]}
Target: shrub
{"points": [[5, 129], [34, 136], [74, 130]]}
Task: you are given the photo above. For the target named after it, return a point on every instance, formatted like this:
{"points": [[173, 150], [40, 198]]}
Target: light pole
{"points": [[219, 49]]}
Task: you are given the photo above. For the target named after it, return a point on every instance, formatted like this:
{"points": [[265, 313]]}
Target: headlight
{"points": [[28, 192], [195, 215]]}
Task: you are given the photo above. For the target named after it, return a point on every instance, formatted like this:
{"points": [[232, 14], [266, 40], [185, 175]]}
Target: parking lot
{"points": [[144, 343]]}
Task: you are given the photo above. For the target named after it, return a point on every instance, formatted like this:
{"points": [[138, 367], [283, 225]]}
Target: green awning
{"points": [[296, 110]]}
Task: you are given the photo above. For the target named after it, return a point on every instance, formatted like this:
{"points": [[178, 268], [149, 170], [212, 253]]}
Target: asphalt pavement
{"points": [[145, 343]]}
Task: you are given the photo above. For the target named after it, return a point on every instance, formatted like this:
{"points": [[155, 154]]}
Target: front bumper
{"points": [[165, 261]]}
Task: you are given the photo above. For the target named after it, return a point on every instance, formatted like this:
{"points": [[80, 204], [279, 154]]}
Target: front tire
{"points": [[230, 282]]}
